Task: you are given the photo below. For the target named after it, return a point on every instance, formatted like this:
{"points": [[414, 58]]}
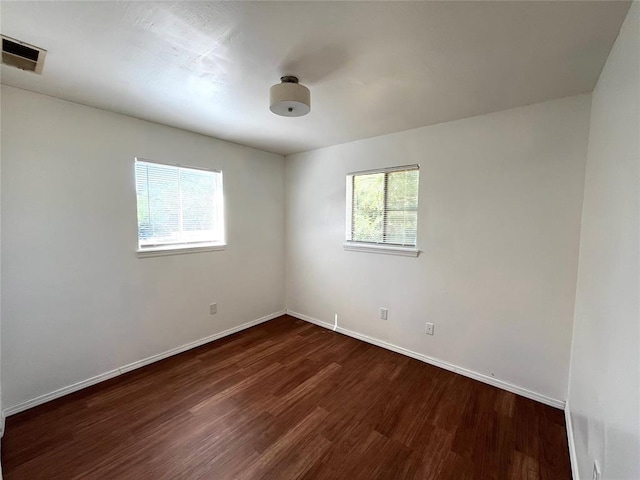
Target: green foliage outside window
{"points": [[384, 207]]}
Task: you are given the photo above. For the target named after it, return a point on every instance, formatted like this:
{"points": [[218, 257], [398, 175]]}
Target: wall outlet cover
{"points": [[428, 328], [384, 313], [213, 308]]}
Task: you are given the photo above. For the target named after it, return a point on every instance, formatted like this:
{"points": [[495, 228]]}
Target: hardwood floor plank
{"points": [[288, 400], [279, 453]]}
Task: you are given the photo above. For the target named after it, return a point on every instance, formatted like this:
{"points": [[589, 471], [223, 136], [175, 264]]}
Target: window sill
{"points": [[384, 249], [178, 250]]}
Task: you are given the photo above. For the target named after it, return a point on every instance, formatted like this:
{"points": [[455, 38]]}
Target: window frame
{"points": [[185, 247], [376, 247]]}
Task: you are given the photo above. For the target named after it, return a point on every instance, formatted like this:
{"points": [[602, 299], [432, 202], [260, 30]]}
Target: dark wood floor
{"points": [[286, 400]]}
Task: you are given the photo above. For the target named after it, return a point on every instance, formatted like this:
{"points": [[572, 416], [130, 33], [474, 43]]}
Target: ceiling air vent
{"points": [[22, 55]]}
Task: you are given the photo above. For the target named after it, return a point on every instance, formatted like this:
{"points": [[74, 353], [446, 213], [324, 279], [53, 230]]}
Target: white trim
{"points": [[197, 343], [399, 168], [60, 392], [173, 164], [2, 422], [309, 319], [178, 249], [132, 366], [379, 248], [553, 402], [575, 473]]}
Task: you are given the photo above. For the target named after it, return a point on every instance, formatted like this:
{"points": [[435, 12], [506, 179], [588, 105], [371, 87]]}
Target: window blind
{"points": [[178, 205], [382, 206]]}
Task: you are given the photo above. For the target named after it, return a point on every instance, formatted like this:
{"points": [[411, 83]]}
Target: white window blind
{"points": [[382, 206], [178, 206]]}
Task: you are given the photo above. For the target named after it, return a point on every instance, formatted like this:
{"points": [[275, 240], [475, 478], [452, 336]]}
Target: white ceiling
{"points": [[372, 67]]}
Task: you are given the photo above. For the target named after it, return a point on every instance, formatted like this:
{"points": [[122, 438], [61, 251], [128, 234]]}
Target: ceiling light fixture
{"points": [[289, 98]]}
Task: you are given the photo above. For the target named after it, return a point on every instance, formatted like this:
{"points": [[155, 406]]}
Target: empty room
{"points": [[251, 240]]}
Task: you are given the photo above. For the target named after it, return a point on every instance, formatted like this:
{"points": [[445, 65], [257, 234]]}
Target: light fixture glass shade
{"points": [[289, 98]]}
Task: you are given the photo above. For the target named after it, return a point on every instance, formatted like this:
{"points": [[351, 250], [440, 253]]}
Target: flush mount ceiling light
{"points": [[289, 98]]}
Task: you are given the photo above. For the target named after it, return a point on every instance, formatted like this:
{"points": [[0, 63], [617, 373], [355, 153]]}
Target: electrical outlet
{"points": [[213, 308], [596, 471], [384, 313], [428, 328]]}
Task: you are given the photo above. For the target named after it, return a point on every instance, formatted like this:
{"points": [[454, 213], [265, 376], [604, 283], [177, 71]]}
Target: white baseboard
{"points": [[571, 441], [61, 392], [438, 363], [131, 366], [1, 429], [197, 343]]}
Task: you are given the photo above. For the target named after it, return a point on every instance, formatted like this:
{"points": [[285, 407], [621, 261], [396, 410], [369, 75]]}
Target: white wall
{"points": [[77, 301], [604, 396], [1, 414], [499, 224]]}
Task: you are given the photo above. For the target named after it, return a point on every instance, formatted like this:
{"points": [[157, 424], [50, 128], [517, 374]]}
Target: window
{"points": [[179, 208], [382, 210]]}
